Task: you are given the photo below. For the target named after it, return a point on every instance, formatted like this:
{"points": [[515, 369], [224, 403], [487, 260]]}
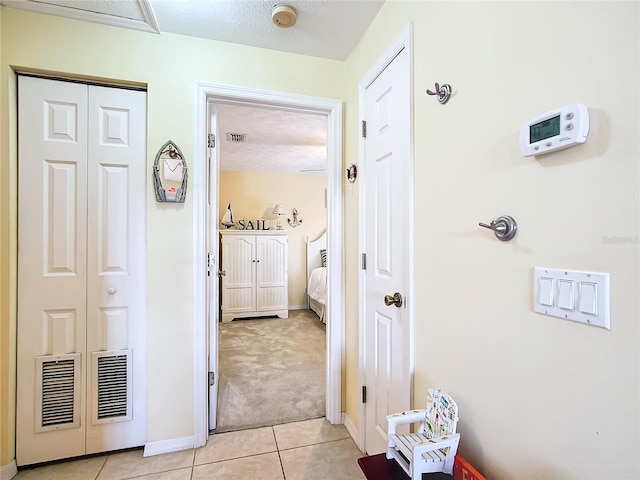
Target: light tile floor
{"points": [[309, 450]]}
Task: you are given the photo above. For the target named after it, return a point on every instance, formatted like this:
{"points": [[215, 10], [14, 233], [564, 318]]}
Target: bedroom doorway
{"points": [[206, 210], [272, 356]]}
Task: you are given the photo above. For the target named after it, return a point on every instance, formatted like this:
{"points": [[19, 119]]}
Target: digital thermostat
{"points": [[561, 128]]}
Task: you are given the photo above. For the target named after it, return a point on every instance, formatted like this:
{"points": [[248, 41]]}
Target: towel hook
{"points": [[504, 227], [443, 92]]}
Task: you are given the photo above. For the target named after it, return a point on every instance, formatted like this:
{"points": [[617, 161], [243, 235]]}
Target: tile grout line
{"points": [[228, 459], [275, 438], [314, 444], [102, 467], [193, 463]]}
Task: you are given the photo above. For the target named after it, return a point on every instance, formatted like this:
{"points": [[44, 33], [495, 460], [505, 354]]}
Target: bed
{"points": [[317, 275]]}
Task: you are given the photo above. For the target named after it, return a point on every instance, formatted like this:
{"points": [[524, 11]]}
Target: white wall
{"points": [[539, 397]]}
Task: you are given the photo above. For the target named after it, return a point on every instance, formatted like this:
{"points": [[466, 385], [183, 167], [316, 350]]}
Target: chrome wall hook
{"points": [[443, 92], [504, 227]]}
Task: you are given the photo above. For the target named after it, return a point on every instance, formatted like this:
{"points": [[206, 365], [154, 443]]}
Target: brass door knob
{"points": [[395, 299]]}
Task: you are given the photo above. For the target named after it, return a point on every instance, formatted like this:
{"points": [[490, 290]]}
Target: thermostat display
{"points": [[561, 128], [543, 130]]}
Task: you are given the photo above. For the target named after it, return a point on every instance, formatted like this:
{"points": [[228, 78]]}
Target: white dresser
{"points": [[255, 273]]}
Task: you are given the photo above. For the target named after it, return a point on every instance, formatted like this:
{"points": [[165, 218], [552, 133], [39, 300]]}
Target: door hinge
{"points": [[364, 129], [364, 261], [364, 394], [211, 140], [212, 378], [210, 263]]}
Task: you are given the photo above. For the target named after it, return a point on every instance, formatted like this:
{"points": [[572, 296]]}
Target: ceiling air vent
{"points": [[236, 137]]}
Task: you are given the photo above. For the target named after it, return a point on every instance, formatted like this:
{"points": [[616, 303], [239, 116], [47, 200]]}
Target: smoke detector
{"points": [[283, 16]]}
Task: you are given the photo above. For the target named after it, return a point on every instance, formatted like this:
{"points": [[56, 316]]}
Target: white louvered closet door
{"points": [[81, 285]]}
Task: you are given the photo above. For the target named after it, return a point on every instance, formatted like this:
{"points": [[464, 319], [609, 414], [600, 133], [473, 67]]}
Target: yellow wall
{"points": [[533, 390], [539, 397], [7, 288], [169, 65], [254, 194]]}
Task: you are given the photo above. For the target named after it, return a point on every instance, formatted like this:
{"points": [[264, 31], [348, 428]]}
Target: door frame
{"points": [[403, 41], [206, 93]]}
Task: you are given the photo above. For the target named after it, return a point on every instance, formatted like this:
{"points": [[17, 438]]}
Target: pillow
{"points": [[323, 257]]}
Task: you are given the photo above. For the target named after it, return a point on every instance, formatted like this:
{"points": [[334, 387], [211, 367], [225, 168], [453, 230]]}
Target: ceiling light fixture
{"points": [[283, 16]]}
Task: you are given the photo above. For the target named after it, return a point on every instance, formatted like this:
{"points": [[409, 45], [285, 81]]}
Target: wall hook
{"points": [[504, 227], [442, 91]]}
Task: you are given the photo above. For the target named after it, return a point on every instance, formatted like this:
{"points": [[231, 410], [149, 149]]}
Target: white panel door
{"points": [[387, 177], [52, 216], [116, 268], [239, 281], [272, 273], [81, 275], [213, 271]]}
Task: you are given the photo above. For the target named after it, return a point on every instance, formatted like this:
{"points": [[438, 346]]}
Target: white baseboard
{"points": [[167, 446], [8, 471], [352, 429], [298, 307]]}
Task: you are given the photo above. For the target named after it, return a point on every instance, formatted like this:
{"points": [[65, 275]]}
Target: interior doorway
{"points": [[205, 199], [272, 356]]}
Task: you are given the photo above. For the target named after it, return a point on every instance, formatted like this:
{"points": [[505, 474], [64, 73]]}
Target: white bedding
{"points": [[317, 288], [317, 275]]}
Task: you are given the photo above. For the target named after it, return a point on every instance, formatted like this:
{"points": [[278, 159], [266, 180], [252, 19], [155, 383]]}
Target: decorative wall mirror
{"points": [[170, 174]]}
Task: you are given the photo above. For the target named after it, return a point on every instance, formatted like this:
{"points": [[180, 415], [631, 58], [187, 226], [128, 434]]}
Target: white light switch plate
{"points": [[578, 296]]}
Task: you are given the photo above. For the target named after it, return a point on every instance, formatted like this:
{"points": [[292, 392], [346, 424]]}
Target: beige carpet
{"points": [[272, 371]]}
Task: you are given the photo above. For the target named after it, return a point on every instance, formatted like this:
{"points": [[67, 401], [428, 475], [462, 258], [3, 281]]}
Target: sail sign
{"points": [[228, 222]]}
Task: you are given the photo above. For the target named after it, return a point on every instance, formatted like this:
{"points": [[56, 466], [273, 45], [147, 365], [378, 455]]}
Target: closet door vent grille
{"points": [[58, 389], [112, 386]]}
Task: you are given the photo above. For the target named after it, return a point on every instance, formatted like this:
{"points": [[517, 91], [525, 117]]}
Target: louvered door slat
{"points": [[58, 392], [112, 386]]}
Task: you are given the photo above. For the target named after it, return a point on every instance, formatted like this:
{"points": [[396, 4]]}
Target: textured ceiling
{"points": [[324, 28], [276, 140]]}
